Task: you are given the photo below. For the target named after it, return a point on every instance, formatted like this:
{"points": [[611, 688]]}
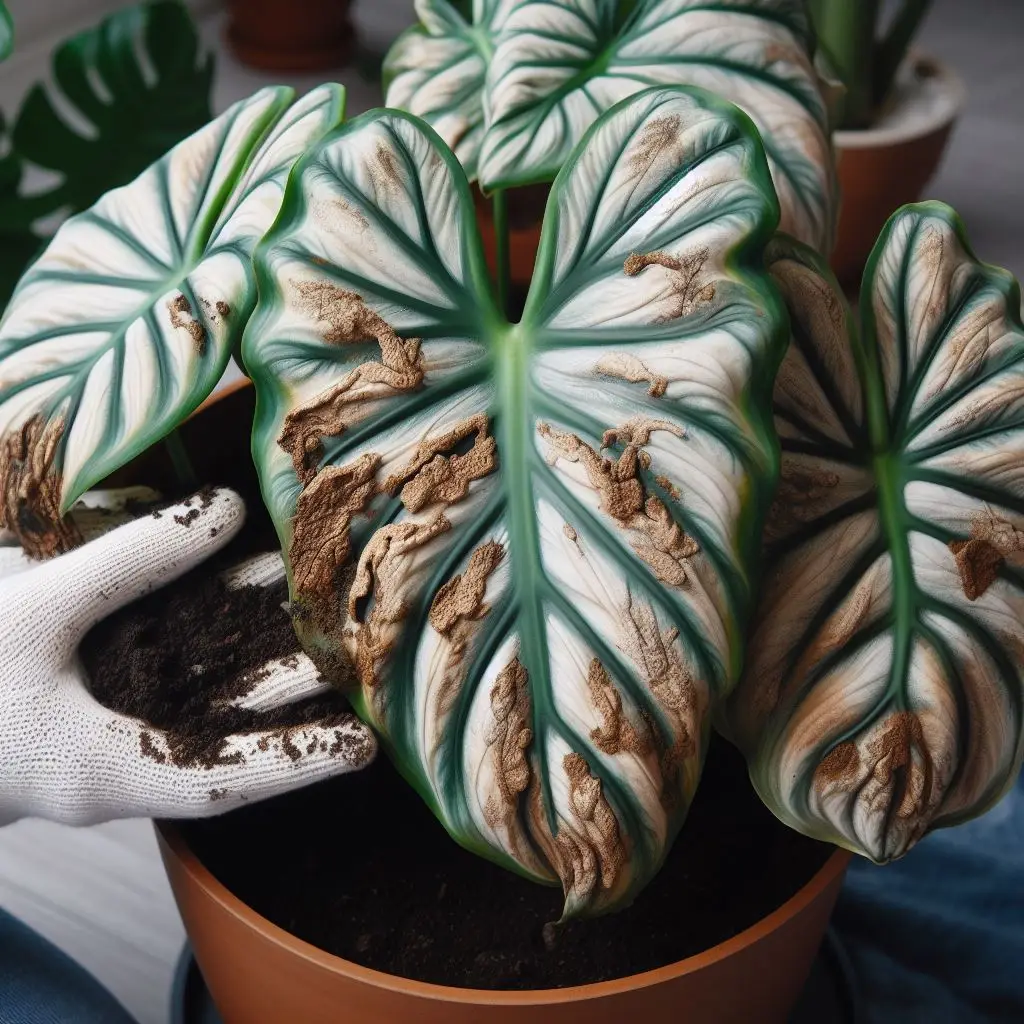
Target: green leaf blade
{"points": [[486, 544], [885, 695]]}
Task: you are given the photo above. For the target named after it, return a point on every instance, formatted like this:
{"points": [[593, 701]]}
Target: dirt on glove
{"points": [[178, 657]]}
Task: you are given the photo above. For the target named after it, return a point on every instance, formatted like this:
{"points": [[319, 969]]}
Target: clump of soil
{"points": [[360, 867], [178, 657]]}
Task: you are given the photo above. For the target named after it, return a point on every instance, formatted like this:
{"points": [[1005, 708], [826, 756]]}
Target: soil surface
{"points": [[178, 657], [360, 867]]}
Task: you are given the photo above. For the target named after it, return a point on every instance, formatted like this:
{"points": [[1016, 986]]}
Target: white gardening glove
{"points": [[66, 757]]}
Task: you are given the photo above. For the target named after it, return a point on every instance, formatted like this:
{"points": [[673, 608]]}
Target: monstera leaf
{"points": [[557, 64], [126, 322], [136, 108], [884, 690], [436, 69], [527, 548]]}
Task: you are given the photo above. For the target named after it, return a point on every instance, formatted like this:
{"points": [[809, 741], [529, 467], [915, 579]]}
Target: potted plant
{"points": [[528, 551], [513, 87], [291, 35], [897, 115]]}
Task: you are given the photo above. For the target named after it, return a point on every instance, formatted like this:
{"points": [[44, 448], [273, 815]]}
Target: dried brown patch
{"points": [[994, 540], [223, 309], [663, 544], [383, 572], [384, 170], [840, 767], [321, 540], [183, 317], [616, 733], [638, 430], [432, 477], [906, 781], [30, 489], [688, 294], [654, 653], [347, 320], [591, 850], [509, 738], [657, 136], [633, 370], [456, 612]]}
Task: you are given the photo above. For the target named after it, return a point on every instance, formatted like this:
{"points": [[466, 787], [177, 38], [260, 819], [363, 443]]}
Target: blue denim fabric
{"points": [[41, 985], [939, 936]]}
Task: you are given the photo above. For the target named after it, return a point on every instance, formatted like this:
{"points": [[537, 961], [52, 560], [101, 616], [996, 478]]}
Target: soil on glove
{"points": [[178, 657], [360, 867]]}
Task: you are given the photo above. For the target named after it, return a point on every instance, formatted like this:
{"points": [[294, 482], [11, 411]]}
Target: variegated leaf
{"points": [[126, 322], [884, 691], [558, 64], [436, 69], [526, 549]]}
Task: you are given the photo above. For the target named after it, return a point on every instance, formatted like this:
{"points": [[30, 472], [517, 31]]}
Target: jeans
{"points": [[41, 985]]}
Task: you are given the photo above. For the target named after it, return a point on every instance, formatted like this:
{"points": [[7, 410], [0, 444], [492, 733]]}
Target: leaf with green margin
{"points": [[136, 109], [884, 691], [127, 320], [6, 32], [436, 70], [539, 644], [558, 63]]}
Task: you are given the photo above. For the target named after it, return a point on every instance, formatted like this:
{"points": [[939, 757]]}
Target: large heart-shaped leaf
{"points": [[138, 81], [884, 690], [126, 322], [558, 63], [527, 548], [436, 69]]}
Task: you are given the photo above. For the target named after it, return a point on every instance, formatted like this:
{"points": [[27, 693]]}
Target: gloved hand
{"points": [[66, 757]]}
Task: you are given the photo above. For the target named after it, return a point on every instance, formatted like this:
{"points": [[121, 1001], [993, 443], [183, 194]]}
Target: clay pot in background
{"points": [[887, 166], [291, 35], [525, 214]]}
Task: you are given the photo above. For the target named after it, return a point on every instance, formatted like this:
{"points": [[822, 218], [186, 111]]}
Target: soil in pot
{"points": [[359, 867]]}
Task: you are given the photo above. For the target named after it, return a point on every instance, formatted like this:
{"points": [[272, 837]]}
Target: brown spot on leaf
{"points": [[591, 849], [656, 136], [839, 767], [384, 170], [905, 780], [383, 571], [30, 489], [633, 370], [684, 274], [663, 544], [509, 737], [321, 539], [183, 317], [456, 612], [994, 540], [347, 320], [432, 477], [224, 309], [616, 733], [638, 430]]}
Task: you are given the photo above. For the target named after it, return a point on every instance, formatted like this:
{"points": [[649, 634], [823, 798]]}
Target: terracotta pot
{"points": [[290, 35], [259, 974], [887, 166], [525, 214]]}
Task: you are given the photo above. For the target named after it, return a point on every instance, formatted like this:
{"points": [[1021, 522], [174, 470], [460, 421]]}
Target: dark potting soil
{"points": [[360, 867], [179, 656]]}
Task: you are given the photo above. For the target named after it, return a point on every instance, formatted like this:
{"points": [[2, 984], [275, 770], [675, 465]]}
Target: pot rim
{"points": [[173, 843], [953, 87]]}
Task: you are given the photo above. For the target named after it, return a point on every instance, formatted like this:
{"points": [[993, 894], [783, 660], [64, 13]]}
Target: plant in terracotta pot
{"points": [[528, 551], [512, 87], [291, 35], [897, 114]]}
